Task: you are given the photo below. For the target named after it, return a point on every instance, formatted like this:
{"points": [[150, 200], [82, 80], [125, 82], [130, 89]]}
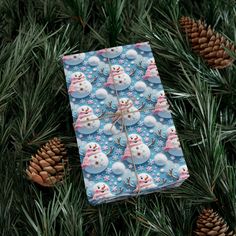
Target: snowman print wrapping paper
{"points": [[127, 140]]}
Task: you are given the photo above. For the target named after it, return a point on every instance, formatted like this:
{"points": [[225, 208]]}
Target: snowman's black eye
{"points": [[131, 138], [112, 50], [183, 169], [98, 187], [90, 146], [82, 109], [141, 177]]}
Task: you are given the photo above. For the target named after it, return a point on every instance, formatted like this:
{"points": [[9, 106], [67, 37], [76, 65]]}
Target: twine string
{"points": [[121, 117]]}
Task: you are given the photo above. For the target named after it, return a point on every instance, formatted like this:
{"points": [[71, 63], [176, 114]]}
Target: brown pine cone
{"points": [[207, 43], [209, 223], [47, 167]]}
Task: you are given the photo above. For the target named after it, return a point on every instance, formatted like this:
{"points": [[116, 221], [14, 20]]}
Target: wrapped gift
{"points": [[127, 140]]}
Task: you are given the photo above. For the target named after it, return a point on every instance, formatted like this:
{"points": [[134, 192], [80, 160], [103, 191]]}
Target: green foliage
{"points": [[34, 107]]}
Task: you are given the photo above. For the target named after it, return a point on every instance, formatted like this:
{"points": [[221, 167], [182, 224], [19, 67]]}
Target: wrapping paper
{"points": [[127, 140]]}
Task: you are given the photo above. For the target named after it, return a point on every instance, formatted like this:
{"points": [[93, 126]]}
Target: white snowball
{"points": [[101, 93], [140, 86], [150, 121], [93, 61], [110, 129], [131, 54], [160, 159], [118, 168]]}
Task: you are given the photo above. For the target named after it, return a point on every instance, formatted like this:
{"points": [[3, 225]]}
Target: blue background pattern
{"points": [[96, 68]]}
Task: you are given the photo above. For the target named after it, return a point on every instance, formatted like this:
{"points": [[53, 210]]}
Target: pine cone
{"points": [[209, 44], [47, 167], [209, 223]]}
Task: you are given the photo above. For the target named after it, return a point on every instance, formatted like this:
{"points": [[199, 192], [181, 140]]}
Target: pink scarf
{"points": [[127, 152], [82, 115], [110, 80]]}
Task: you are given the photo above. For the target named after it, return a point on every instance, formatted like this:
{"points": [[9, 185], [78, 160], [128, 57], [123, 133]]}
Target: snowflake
{"points": [[82, 101], [129, 94], [172, 158], [67, 67], [90, 102], [139, 130], [140, 123], [119, 179], [161, 119], [108, 171], [98, 177], [121, 62], [130, 166], [88, 175], [100, 131], [98, 138], [83, 68], [106, 178], [90, 137], [97, 110], [149, 169], [157, 149], [115, 158], [130, 129], [136, 102], [146, 139], [137, 77], [122, 56], [127, 68], [119, 151], [114, 189], [160, 143], [157, 179], [151, 162], [131, 88], [92, 95], [140, 72], [105, 148], [140, 168], [99, 84]]}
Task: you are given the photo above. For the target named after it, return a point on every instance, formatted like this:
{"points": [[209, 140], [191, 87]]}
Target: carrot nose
{"points": [[103, 187], [146, 177]]}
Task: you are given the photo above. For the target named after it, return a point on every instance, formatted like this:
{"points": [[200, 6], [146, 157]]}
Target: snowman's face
{"points": [[134, 138], [78, 76], [101, 188], [151, 61], [144, 178], [183, 170], [125, 102], [117, 69], [171, 130], [161, 94], [74, 59], [114, 50], [85, 110], [93, 147]]}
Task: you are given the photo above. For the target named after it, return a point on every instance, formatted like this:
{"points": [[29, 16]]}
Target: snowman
{"points": [[110, 52], [162, 106], [172, 144], [131, 114], [95, 161], [118, 79], [183, 172], [87, 122], [79, 87], [101, 191], [152, 74], [136, 152], [145, 181], [75, 59], [143, 46]]}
